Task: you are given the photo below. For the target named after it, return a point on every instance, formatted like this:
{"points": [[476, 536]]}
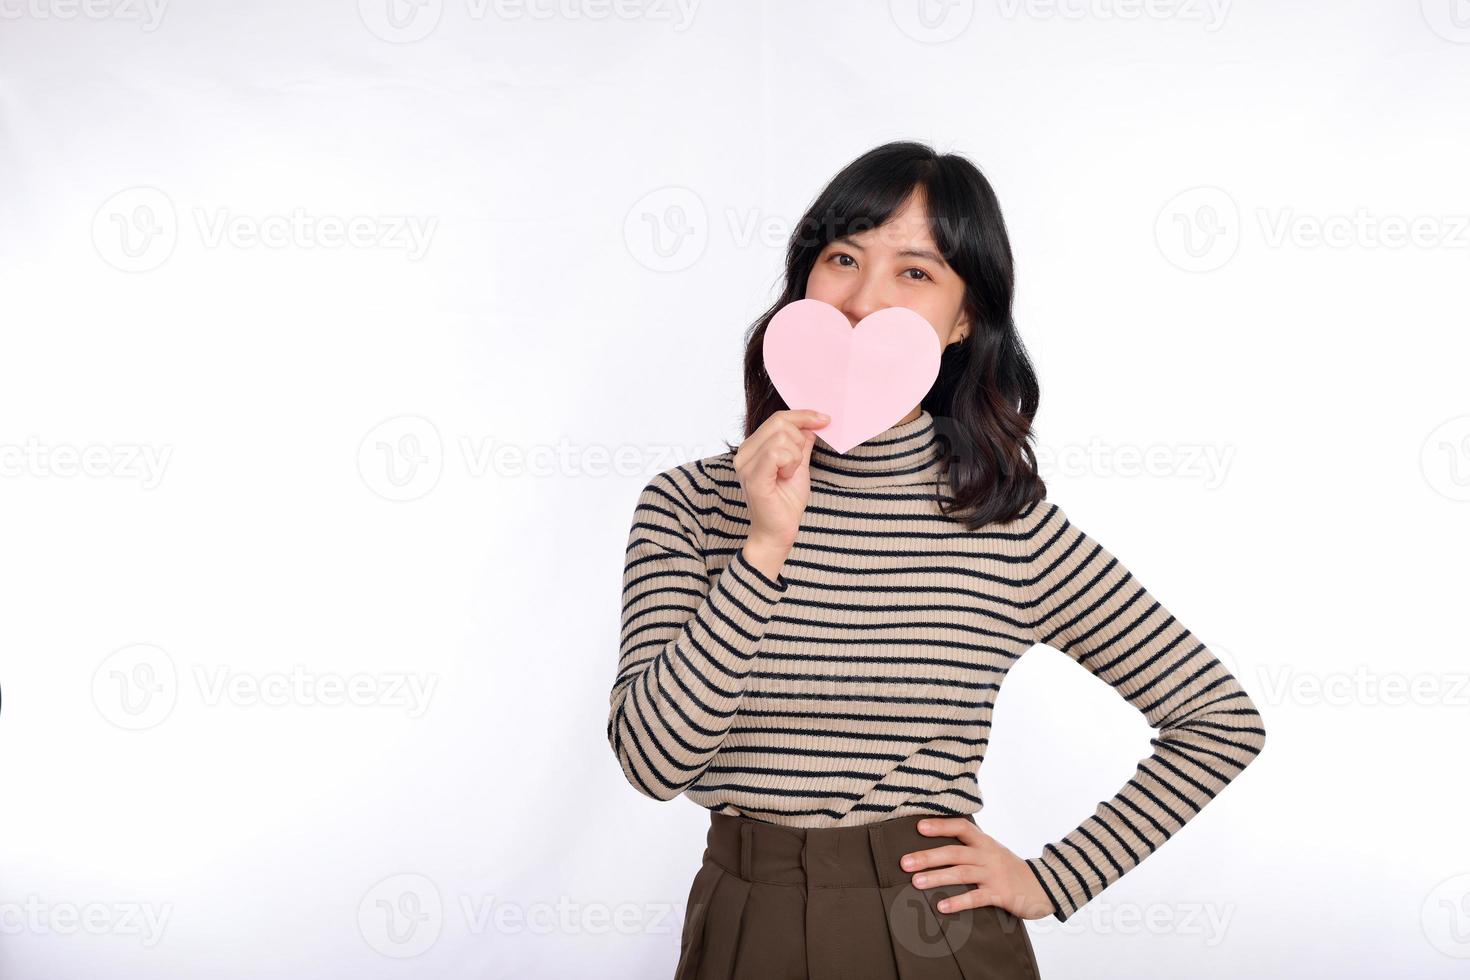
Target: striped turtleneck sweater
{"points": [[858, 685]]}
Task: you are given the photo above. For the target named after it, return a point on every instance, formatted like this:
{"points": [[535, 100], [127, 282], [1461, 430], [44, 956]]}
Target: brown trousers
{"points": [[832, 903]]}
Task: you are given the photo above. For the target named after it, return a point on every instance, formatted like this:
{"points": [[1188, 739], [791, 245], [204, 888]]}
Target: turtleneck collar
{"points": [[905, 454]]}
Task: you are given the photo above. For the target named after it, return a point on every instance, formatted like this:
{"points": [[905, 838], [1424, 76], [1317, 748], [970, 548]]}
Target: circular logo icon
{"points": [[667, 229], [1445, 917], [401, 458], [1227, 660], [924, 931], [1445, 458], [932, 21], [136, 687], [135, 230], [401, 916], [1199, 229], [1450, 19], [400, 21]]}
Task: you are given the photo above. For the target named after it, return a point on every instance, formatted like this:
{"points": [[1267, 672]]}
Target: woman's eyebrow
{"points": [[923, 253], [918, 253]]}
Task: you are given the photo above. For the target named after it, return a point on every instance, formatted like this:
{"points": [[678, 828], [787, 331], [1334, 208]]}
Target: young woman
{"points": [[813, 641]]}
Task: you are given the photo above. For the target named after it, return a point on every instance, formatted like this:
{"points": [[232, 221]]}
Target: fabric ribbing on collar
{"points": [[906, 454]]}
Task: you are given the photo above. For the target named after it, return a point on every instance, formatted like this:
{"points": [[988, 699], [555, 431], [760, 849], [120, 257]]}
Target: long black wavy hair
{"points": [[985, 397]]}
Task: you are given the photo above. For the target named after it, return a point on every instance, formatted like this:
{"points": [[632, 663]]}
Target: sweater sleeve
{"points": [[687, 646], [1087, 605]]}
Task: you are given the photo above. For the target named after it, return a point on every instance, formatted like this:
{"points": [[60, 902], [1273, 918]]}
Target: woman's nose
{"points": [[861, 302]]}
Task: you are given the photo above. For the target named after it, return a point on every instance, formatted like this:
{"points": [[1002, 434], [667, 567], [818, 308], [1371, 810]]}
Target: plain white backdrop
{"points": [[339, 338]]}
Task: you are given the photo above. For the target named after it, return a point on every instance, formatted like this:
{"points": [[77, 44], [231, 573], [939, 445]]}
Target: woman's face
{"points": [[895, 264]]}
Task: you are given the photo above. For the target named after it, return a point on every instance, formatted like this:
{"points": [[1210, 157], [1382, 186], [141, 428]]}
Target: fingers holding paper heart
{"points": [[773, 465], [865, 377]]}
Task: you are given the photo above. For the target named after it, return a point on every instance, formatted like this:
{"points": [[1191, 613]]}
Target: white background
{"points": [[238, 471]]}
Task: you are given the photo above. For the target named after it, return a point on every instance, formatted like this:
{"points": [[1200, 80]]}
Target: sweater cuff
{"points": [[757, 581], [740, 604], [1047, 886]]}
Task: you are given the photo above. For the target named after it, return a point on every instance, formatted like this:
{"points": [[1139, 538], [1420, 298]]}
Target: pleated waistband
{"points": [[862, 856]]}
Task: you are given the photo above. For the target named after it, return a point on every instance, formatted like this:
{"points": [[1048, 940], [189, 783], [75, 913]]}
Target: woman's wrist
{"points": [[769, 557]]}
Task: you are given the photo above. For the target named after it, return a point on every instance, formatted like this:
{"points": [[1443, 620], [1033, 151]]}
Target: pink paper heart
{"points": [[866, 377]]}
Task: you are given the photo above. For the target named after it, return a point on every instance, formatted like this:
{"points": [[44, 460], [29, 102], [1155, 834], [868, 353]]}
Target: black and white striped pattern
{"points": [[1089, 606], [859, 685]]}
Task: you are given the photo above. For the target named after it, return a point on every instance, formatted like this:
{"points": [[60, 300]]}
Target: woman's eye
{"points": [[838, 257]]}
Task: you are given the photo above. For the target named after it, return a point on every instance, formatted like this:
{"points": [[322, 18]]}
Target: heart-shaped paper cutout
{"points": [[866, 377]]}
